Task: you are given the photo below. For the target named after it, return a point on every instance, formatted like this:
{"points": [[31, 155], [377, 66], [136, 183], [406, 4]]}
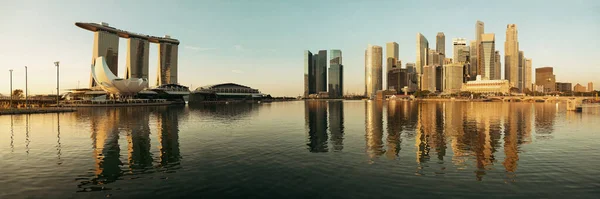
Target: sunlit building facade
{"points": [[106, 44], [487, 56], [579, 88], [486, 86], [459, 46], [511, 55], [167, 64], [373, 70], [137, 58], [453, 77], [545, 77], [497, 66], [422, 51]]}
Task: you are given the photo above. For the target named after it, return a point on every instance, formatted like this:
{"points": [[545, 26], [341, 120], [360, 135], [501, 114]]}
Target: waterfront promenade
{"points": [[35, 111]]}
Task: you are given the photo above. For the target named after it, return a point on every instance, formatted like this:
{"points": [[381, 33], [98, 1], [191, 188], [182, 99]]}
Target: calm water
{"points": [[352, 149]]}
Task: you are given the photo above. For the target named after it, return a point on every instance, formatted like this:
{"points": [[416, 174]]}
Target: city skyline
{"points": [[216, 51]]}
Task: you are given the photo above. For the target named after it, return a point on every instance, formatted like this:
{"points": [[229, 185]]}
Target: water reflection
{"points": [[109, 125], [374, 128], [336, 124], [316, 120], [168, 135], [225, 112], [316, 115]]}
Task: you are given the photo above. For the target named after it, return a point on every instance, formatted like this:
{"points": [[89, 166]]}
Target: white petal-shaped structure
{"points": [[110, 83]]}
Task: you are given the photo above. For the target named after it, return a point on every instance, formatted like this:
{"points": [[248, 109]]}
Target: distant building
{"points": [[453, 77], [590, 87], [511, 56], [310, 86], [315, 72], [410, 67], [563, 87], [391, 49], [486, 86], [545, 77], [579, 88], [459, 48], [487, 56], [422, 51], [476, 60], [373, 70], [528, 78], [473, 69], [440, 43], [225, 92], [336, 75], [520, 84], [448, 61], [498, 67], [428, 78]]}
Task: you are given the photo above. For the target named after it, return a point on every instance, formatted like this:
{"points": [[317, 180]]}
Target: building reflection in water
{"points": [[374, 128], [316, 121], [107, 126], [336, 124], [545, 114], [136, 122], [226, 112], [168, 135]]}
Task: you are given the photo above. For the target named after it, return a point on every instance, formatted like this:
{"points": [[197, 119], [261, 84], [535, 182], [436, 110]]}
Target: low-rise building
{"points": [[563, 87], [579, 88], [486, 86]]}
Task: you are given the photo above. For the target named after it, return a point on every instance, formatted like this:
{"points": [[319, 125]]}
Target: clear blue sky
{"points": [[260, 43]]}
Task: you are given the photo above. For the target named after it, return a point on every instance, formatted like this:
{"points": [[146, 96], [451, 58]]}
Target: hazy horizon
{"points": [[260, 43]]}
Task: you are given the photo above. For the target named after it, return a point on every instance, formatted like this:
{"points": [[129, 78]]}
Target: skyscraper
{"points": [[106, 44], [440, 43], [511, 56], [497, 67], [391, 51], [336, 74], [473, 59], [590, 87], [373, 70], [528, 78], [422, 50], [167, 63], [545, 77], [453, 77], [521, 71], [321, 71], [137, 58], [309, 74], [487, 56], [459, 45], [476, 57]]}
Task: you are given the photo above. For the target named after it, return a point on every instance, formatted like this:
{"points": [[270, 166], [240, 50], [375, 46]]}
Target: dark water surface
{"points": [[314, 149]]}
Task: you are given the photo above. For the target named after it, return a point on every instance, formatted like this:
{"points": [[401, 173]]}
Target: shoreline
{"points": [[35, 111]]}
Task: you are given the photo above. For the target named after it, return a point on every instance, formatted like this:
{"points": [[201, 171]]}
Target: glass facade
{"points": [[373, 70], [106, 45], [167, 64], [336, 75], [487, 53], [440, 43], [309, 74], [137, 58], [511, 55]]}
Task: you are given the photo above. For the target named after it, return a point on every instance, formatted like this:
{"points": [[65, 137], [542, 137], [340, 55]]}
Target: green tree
{"points": [[17, 94]]}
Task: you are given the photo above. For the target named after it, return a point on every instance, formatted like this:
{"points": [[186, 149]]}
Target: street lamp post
{"points": [[26, 90], [57, 85], [11, 93]]}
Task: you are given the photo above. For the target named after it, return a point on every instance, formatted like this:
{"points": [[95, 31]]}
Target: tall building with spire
{"points": [[422, 51], [373, 70], [497, 67], [440, 43], [511, 55]]}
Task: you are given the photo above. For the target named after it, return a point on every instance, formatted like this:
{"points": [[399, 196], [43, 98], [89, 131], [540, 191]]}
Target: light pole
{"points": [[57, 85], [11, 93], [26, 90]]}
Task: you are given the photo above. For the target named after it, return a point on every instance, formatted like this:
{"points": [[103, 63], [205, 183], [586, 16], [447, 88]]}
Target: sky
{"points": [[261, 43]]}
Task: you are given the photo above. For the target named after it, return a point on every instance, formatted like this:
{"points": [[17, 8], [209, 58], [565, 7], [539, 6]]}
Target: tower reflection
{"points": [[336, 124], [168, 135], [106, 126], [374, 128], [316, 120]]}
